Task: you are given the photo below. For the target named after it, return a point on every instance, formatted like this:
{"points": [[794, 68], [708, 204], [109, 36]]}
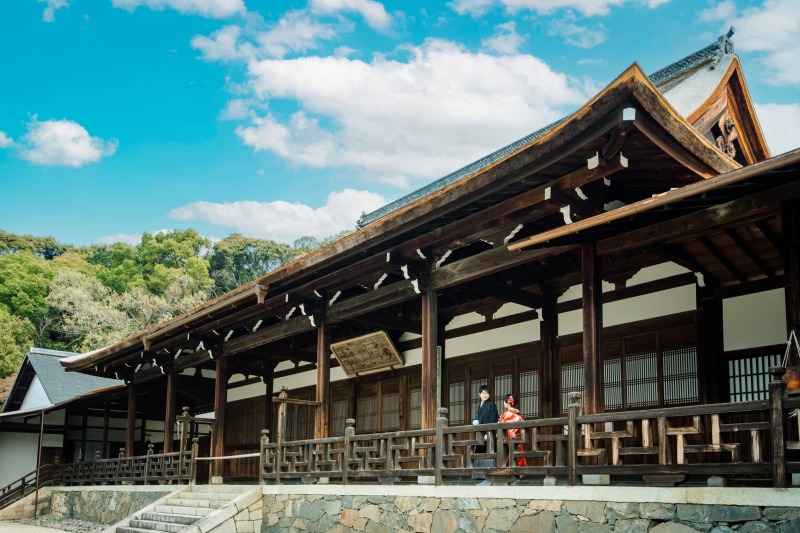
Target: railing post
{"points": [[573, 435], [263, 455], [349, 432], [777, 390], [193, 467], [147, 462], [183, 432], [281, 433], [438, 464], [120, 458], [94, 466]]}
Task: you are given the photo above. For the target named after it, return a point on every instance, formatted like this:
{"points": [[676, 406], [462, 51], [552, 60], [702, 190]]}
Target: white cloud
{"points": [[771, 30], [204, 8], [295, 32], [781, 125], [125, 238], [574, 34], [506, 40], [475, 8], [5, 140], [374, 13], [284, 221], [49, 14], [62, 143], [394, 120]]}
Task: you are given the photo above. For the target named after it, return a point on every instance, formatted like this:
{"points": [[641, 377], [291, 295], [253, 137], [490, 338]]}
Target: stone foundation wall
{"points": [[369, 513], [94, 504]]}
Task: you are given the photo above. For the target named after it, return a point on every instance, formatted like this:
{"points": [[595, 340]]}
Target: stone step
{"points": [[172, 518], [179, 509], [151, 525], [186, 502], [211, 496], [128, 529], [218, 489]]}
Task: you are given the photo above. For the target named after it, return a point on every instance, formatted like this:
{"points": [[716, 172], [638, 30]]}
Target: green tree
{"points": [[16, 336], [24, 281], [236, 260], [44, 247]]}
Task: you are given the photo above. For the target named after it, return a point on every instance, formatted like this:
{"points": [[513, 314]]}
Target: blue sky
{"points": [[278, 119]]}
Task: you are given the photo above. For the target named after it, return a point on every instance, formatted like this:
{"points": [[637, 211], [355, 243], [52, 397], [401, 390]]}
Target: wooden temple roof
{"points": [[625, 146]]}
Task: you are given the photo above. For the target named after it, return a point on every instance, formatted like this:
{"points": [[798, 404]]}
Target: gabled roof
{"points": [[58, 384], [686, 84]]}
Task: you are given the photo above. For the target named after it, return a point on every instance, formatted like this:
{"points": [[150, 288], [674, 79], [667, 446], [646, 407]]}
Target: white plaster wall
{"points": [[754, 320], [35, 397], [23, 448]]}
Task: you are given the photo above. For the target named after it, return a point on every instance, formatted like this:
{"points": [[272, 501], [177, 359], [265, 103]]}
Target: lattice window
{"points": [[680, 376], [456, 407], [641, 380], [502, 387], [338, 417], [612, 384], [415, 408], [749, 377], [571, 381], [305, 418], [529, 394], [390, 412], [367, 414]]}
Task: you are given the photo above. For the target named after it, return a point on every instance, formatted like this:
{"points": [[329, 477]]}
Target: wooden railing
{"points": [[19, 488], [176, 467], [749, 440]]}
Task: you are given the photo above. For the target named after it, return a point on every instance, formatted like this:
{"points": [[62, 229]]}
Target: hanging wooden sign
{"points": [[369, 353]]}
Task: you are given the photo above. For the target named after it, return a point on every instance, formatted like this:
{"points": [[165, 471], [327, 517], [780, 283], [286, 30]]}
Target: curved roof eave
{"points": [[632, 82]]}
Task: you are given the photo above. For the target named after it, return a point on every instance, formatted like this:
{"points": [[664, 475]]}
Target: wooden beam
{"points": [[790, 224], [749, 207], [752, 256], [371, 301], [619, 134], [726, 263], [429, 344], [489, 262], [549, 360], [169, 416], [592, 286], [506, 293], [130, 428], [218, 430], [322, 426]]}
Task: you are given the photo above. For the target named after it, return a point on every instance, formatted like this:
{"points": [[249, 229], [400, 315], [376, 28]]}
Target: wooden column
{"points": [[322, 425], [131, 427], [712, 374], [218, 434], [592, 330], [269, 390], [84, 423], [549, 389], [790, 222], [429, 343], [169, 416], [105, 430]]}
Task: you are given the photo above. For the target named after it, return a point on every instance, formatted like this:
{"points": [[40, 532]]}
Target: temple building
{"points": [[642, 251]]}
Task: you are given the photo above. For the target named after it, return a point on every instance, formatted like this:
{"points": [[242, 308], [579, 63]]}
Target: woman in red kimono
{"points": [[512, 414]]}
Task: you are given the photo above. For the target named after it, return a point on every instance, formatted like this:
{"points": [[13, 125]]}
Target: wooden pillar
{"points": [[429, 343], [269, 390], [84, 424], [169, 416], [592, 330], [105, 431], [549, 382], [790, 230], [712, 374], [131, 427], [322, 425], [218, 434]]}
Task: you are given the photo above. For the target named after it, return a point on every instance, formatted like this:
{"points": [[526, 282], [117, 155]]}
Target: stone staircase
{"points": [[185, 510]]}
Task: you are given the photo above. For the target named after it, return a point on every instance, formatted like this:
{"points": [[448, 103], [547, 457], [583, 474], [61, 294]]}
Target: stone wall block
{"points": [[792, 526], [444, 521], [693, 513], [631, 525], [543, 522], [404, 504], [615, 510], [657, 511], [757, 526], [594, 511], [733, 513], [672, 527], [420, 523], [782, 513]]}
